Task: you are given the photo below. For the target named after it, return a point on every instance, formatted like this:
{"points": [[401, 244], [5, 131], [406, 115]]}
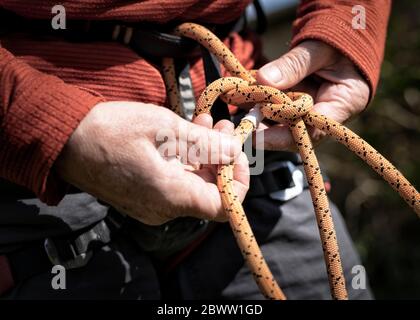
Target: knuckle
{"points": [[357, 96], [298, 61], [197, 134], [365, 93]]}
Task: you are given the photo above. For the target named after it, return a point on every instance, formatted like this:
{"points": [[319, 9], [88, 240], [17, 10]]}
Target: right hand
{"points": [[113, 154]]}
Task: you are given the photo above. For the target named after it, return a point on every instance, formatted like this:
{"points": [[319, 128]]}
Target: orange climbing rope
{"points": [[293, 109]]}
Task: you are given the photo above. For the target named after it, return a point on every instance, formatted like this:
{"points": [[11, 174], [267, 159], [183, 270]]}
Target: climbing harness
{"points": [[293, 109]]}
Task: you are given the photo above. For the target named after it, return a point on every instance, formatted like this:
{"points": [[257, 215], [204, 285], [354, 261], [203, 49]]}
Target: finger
{"points": [[204, 120], [240, 174], [332, 110], [225, 126], [211, 146], [199, 198], [277, 137], [308, 85], [334, 101], [295, 65], [204, 195], [340, 101]]}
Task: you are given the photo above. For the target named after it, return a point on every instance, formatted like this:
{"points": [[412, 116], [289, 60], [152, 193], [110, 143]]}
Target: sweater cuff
{"points": [[356, 45], [40, 112]]}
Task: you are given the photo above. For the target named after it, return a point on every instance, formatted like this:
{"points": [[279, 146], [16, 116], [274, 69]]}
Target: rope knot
{"points": [[295, 109], [275, 104], [293, 106]]}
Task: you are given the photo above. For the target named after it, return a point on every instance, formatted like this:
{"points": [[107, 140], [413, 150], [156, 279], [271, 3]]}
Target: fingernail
{"points": [[271, 73]]}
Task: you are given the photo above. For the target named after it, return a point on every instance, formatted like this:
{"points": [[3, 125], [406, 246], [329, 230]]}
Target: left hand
{"points": [[338, 88]]}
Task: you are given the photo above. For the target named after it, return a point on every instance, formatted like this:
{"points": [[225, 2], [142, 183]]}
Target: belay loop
{"points": [[293, 109]]}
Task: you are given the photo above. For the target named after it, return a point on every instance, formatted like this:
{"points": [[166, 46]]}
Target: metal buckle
{"points": [[79, 247], [297, 178]]}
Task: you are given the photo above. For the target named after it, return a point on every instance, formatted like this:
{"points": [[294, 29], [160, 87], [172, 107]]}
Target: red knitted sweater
{"points": [[47, 87]]}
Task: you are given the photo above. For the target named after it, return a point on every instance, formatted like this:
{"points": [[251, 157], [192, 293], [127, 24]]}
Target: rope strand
{"points": [[293, 109]]}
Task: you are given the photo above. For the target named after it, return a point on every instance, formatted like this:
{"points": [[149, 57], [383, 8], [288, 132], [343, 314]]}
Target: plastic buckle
{"points": [[79, 248], [296, 177], [79, 260]]}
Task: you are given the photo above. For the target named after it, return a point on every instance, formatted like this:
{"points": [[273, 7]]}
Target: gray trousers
{"points": [[287, 234]]}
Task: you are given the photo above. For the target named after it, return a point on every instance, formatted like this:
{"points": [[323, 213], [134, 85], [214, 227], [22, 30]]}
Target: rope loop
{"points": [[294, 109], [275, 104]]}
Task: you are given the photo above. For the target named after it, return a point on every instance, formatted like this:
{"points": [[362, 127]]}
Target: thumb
{"points": [[291, 68]]}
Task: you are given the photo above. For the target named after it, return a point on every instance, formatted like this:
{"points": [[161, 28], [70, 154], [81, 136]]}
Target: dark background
{"points": [[386, 231]]}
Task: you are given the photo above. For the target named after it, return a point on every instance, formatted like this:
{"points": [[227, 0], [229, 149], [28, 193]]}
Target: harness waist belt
{"points": [[148, 40]]}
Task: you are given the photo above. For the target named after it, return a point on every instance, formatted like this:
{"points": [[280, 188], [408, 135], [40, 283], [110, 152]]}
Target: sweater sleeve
{"points": [[333, 22], [38, 113]]}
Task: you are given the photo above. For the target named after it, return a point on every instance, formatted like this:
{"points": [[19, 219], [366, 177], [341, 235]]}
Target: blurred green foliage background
{"points": [[385, 230]]}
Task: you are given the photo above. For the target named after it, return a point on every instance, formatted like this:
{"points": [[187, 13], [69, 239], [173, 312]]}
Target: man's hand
{"points": [[115, 155], [339, 91]]}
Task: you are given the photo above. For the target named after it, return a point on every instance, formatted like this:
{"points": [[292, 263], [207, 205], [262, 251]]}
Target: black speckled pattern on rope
{"points": [[293, 109]]}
